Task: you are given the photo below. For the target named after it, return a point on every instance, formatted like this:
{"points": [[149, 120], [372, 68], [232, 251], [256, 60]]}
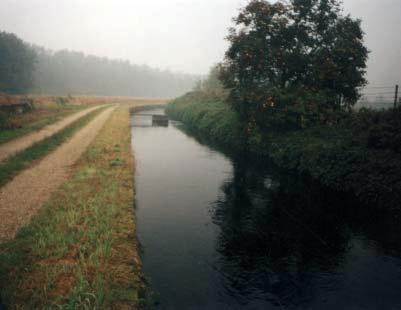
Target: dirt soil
{"points": [[21, 198], [20, 144]]}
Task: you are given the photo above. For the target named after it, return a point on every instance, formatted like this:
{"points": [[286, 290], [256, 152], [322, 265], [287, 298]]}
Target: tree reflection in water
{"points": [[289, 241]]}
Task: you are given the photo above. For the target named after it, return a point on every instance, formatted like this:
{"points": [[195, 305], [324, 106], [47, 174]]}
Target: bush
{"points": [[204, 113], [4, 120], [29, 104], [61, 101], [357, 153]]}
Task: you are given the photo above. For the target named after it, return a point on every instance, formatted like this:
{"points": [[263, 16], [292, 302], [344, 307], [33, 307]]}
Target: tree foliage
{"points": [[212, 84], [295, 55], [17, 63]]}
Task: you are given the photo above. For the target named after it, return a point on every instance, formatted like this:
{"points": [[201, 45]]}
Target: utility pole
{"points": [[396, 96]]}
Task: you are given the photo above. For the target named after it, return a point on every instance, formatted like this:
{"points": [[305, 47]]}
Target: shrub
{"points": [[4, 120], [61, 101], [357, 153]]}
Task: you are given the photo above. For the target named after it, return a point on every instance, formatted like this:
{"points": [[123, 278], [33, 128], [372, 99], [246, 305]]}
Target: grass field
{"points": [[80, 251]]}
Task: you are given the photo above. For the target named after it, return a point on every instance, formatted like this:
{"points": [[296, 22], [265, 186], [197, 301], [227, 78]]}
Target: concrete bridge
{"points": [[157, 119]]}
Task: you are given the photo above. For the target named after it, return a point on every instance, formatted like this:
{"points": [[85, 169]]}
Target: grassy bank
{"points": [[207, 116], [80, 251], [361, 154], [14, 164]]}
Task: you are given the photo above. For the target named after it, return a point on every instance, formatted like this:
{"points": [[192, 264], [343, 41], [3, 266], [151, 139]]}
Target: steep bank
{"points": [[359, 155]]}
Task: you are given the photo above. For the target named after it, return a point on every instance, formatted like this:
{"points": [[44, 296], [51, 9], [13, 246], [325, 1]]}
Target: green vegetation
{"points": [[17, 63], [80, 251], [360, 153], [4, 121], [212, 84], [292, 59], [289, 79], [207, 116], [24, 159], [15, 126], [10, 134]]}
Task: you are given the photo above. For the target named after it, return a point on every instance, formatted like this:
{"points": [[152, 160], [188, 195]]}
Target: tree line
{"points": [[31, 69], [17, 64]]}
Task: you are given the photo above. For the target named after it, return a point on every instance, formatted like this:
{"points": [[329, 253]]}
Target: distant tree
{"points": [[293, 53], [198, 86], [212, 84], [17, 64], [68, 72]]}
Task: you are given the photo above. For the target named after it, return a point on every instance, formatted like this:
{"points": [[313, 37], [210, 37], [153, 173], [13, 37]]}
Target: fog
{"points": [[381, 21], [179, 35]]}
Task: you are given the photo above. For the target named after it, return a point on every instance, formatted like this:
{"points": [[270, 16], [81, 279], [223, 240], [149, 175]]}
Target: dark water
{"points": [[219, 233]]}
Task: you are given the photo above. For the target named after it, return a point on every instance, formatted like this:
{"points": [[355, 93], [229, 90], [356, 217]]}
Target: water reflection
{"points": [[221, 233], [289, 242]]}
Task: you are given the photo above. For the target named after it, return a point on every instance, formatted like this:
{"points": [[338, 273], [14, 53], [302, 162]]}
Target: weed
{"points": [[116, 162]]}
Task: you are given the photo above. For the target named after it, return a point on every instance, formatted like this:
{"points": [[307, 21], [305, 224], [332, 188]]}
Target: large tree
{"points": [[306, 48], [17, 64]]}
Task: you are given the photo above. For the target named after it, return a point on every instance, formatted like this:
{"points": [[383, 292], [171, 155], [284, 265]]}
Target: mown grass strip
{"points": [[80, 251], [22, 160], [7, 135], [39, 123]]}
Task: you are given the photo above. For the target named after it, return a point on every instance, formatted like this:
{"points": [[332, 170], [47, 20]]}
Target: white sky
{"points": [[180, 35]]}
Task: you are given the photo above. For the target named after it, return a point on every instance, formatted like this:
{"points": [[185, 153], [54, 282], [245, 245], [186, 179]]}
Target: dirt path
{"points": [[19, 144], [23, 196]]}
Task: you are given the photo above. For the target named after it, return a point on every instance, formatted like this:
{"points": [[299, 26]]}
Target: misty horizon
{"points": [[176, 36]]}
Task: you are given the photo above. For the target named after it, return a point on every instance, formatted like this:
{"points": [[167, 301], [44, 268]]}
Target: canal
{"points": [[222, 233]]}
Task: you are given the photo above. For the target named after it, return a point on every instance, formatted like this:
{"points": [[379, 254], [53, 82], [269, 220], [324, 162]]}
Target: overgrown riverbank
{"points": [[360, 154], [80, 250]]}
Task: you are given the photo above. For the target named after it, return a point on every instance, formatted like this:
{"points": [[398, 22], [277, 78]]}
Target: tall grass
{"points": [[208, 116]]}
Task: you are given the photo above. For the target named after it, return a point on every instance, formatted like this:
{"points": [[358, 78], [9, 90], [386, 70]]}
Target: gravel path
{"points": [[21, 198], [20, 144]]}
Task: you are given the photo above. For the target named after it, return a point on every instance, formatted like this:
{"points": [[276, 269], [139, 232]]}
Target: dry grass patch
{"points": [[81, 251]]}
